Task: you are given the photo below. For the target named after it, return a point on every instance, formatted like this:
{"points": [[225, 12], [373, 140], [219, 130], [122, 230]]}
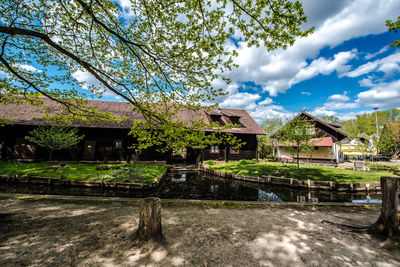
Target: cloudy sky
{"points": [[344, 68]]}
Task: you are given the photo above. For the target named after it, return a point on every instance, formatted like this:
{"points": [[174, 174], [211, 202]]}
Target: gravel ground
{"points": [[66, 233]]}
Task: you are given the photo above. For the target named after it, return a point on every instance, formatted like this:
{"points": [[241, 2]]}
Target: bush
{"points": [[244, 161], [210, 162]]}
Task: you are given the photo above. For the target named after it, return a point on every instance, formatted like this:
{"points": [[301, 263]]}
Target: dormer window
{"points": [[217, 119], [236, 120]]}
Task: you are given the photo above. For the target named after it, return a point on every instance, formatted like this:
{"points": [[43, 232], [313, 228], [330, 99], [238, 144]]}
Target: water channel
{"points": [[198, 185]]}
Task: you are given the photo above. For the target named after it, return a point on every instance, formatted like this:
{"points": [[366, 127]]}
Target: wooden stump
{"points": [[388, 223], [150, 219]]}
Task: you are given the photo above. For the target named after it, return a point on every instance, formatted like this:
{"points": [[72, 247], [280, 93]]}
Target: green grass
{"points": [[306, 172], [86, 172]]}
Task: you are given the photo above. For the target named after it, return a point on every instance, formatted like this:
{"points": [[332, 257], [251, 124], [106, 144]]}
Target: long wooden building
{"points": [[109, 140]]}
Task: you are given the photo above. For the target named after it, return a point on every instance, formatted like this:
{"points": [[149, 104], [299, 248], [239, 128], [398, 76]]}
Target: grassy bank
{"points": [[126, 173], [258, 169]]}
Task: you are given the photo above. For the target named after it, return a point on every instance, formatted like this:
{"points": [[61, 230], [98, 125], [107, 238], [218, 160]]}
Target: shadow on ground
{"points": [[48, 233]]}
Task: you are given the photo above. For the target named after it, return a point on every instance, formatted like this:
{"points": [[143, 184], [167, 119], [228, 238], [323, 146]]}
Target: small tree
{"points": [[297, 135], [54, 138], [389, 141]]}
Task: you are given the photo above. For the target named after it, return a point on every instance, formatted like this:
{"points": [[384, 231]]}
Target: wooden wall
{"points": [[248, 151], [99, 144]]}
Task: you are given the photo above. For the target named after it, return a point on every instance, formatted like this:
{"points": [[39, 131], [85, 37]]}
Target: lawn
{"points": [[258, 169], [125, 173]]}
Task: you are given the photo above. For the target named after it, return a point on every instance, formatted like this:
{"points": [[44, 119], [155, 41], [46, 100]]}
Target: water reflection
{"points": [[195, 185], [264, 196]]}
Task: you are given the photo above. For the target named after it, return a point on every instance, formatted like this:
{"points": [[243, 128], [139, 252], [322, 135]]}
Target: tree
{"points": [[265, 145], [297, 135], [365, 124], [364, 146], [54, 138], [159, 56], [389, 141], [394, 26]]}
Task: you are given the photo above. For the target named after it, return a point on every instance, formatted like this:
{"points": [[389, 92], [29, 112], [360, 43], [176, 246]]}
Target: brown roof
{"points": [[330, 129], [26, 114]]}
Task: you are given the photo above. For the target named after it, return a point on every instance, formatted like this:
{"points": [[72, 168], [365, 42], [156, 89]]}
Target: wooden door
{"points": [[89, 149]]}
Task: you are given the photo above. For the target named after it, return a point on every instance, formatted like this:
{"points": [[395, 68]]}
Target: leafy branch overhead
{"points": [[155, 53]]}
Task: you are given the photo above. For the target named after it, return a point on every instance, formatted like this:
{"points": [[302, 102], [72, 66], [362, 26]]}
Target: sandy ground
{"points": [[55, 233]]}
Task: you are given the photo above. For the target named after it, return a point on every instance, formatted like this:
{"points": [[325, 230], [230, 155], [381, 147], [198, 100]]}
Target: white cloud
{"points": [[383, 95], [29, 68], [305, 93], [89, 82], [319, 112], [338, 97], [241, 100], [339, 21], [372, 55], [388, 65], [261, 113], [267, 101]]}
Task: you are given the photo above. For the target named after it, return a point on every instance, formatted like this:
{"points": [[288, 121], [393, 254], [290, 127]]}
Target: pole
{"points": [[377, 131], [376, 122]]}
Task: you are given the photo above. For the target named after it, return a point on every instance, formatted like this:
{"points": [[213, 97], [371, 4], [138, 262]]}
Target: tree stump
{"points": [[388, 223], [150, 219]]}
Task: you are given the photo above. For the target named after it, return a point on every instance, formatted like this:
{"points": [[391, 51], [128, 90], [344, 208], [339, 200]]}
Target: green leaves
{"points": [[54, 137], [166, 52], [297, 135], [394, 26], [389, 141]]}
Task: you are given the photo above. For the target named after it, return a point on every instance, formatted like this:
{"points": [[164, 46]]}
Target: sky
{"points": [[344, 68]]}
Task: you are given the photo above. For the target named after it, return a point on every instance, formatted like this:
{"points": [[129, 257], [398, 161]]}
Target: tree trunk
{"points": [[388, 223], [50, 154], [150, 219]]}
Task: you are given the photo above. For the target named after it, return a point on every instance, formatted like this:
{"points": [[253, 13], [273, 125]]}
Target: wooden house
{"points": [[326, 143], [109, 140]]}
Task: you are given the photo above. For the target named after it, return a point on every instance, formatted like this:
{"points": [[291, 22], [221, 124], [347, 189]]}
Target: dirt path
{"points": [[55, 233]]}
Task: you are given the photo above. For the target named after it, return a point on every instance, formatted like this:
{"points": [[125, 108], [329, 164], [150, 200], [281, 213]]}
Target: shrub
{"points": [[244, 162], [210, 162]]}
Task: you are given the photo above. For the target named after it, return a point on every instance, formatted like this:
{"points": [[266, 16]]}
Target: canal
{"points": [[198, 185]]}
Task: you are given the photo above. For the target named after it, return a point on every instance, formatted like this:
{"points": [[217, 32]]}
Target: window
{"points": [[118, 144], [214, 149], [217, 119], [236, 121], [234, 151]]}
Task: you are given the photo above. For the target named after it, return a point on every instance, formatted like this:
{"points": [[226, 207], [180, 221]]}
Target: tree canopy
{"points": [[159, 56], [298, 136], [365, 124], [54, 138]]}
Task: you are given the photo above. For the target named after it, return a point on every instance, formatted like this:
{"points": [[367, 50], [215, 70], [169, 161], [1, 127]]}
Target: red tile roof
{"points": [[326, 141]]}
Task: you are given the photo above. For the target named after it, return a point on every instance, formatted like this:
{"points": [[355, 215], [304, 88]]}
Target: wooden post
{"points": [[388, 223], [150, 219]]}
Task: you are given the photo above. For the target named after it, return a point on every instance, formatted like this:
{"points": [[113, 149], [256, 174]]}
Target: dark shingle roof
{"points": [[26, 114]]}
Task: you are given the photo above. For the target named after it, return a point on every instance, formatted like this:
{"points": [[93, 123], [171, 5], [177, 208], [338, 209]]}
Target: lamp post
{"points": [[377, 132], [376, 121]]}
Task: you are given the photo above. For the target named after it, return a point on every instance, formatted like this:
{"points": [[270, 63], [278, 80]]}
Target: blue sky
{"points": [[344, 68]]}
